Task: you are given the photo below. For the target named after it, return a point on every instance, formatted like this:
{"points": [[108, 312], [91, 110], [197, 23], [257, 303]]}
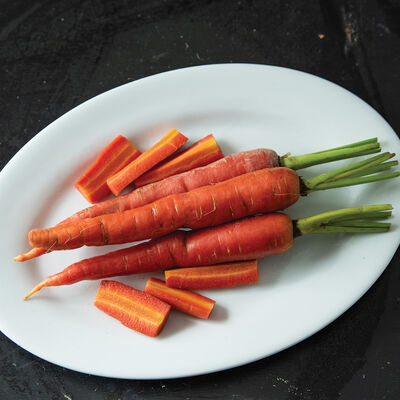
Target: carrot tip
{"points": [[34, 290]]}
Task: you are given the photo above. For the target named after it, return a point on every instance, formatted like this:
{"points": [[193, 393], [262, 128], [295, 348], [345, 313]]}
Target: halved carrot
{"points": [[202, 153], [133, 308], [214, 276], [182, 300], [93, 183], [171, 142]]}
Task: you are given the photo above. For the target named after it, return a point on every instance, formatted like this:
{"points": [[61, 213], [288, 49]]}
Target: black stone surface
{"points": [[56, 54]]}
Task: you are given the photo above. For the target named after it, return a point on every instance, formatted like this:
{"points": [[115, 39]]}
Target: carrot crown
{"points": [[356, 149], [354, 174], [347, 220]]}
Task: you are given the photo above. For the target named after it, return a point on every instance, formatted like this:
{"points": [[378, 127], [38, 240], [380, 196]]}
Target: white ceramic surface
{"points": [[245, 107]]}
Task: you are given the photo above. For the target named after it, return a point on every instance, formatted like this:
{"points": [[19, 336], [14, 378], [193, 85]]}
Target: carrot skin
{"points": [[218, 171], [183, 300], [171, 142], [256, 192], [202, 153], [135, 309], [213, 277], [93, 183], [246, 239]]}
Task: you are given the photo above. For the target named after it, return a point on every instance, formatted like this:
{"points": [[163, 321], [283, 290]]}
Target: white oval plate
{"points": [[245, 107]]}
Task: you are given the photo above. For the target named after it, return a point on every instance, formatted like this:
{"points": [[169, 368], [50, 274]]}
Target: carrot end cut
{"points": [[135, 309], [171, 142], [201, 153], [118, 154], [182, 300], [214, 276]]}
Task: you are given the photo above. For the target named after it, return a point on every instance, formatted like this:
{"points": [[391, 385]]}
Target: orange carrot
{"points": [[213, 277], [245, 239], [93, 183], [202, 153], [182, 300], [261, 191], [137, 310], [221, 170], [256, 192], [218, 171], [171, 142]]}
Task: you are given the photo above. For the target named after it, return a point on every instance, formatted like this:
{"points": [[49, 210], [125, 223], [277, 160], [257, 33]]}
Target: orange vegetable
{"points": [[203, 152], [218, 171], [245, 239], [265, 190], [182, 300], [261, 191], [171, 142], [214, 276], [93, 183], [137, 310]]}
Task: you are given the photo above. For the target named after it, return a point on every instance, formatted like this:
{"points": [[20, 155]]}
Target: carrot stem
{"points": [[353, 174], [329, 222], [356, 149]]}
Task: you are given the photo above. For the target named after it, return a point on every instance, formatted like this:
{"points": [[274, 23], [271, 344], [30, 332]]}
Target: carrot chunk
{"points": [[214, 276], [93, 183], [171, 142], [135, 309], [182, 300], [202, 153]]}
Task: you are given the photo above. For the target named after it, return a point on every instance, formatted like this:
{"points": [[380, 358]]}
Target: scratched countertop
{"points": [[56, 54]]}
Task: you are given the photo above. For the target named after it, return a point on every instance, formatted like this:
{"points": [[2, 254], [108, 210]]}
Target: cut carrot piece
{"points": [[202, 153], [171, 142], [182, 300], [118, 154], [213, 277], [135, 309]]}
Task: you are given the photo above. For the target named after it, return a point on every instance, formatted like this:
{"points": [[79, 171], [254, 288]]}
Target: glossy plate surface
{"points": [[245, 106]]}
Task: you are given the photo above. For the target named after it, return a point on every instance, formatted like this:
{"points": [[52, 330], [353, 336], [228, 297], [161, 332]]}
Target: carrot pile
{"points": [[219, 199]]}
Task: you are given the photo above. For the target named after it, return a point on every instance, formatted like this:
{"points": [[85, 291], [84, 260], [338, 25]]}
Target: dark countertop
{"points": [[57, 54]]}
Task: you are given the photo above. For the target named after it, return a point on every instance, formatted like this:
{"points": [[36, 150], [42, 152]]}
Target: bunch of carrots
{"points": [[232, 206]]}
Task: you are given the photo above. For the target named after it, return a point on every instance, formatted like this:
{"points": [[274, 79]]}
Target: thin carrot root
{"points": [[38, 287], [35, 252]]}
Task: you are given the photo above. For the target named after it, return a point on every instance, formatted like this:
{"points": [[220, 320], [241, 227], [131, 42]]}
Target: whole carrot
{"points": [[218, 171], [222, 170], [262, 191], [246, 239]]}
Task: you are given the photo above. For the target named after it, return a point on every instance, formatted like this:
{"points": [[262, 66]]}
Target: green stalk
{"points": [[328, 222], [356, 181], [357, 149], [378, 168], [353, 174]]}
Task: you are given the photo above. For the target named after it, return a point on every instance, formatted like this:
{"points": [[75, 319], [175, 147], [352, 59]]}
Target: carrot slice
{"points": [[93, 183], [182, 300], [135, 309], [171, 142], [201, 153], [214, 276]]}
